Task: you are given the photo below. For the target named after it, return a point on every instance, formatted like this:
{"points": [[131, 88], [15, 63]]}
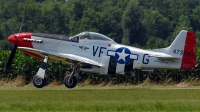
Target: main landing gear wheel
{"points": [[70, 81], [39, 82]]}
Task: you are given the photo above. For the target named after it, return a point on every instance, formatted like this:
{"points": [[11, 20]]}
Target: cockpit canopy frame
{"points": [[90, 36]]}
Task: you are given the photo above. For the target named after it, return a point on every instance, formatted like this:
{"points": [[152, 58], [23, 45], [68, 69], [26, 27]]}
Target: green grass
{"points": [[103, 99]]}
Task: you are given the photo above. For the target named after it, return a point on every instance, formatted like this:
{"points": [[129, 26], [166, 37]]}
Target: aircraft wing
{"points": [[69, 58]]}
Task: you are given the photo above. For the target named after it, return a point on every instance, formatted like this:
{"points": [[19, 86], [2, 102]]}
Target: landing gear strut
{"points": [[39, 80], [70, 81]]}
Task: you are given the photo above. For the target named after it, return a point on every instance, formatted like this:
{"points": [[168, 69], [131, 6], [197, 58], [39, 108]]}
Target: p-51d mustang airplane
{"points": [[96, 53]]}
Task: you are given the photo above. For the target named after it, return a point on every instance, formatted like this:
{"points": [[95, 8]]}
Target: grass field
{"points": [[100, 99]]}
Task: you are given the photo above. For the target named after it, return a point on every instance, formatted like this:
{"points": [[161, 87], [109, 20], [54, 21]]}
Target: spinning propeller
{"points": [[12, 54]]}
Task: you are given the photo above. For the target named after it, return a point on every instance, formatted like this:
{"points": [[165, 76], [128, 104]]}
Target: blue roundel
{"points": [[122, 55]]}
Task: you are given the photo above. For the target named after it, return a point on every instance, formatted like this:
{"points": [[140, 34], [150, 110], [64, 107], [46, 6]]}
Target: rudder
{"points": [[189, 55]]}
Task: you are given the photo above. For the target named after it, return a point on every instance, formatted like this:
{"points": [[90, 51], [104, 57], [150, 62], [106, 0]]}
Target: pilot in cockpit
{"points": [[86, 36]]}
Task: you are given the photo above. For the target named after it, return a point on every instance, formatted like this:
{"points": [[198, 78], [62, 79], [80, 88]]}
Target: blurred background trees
{"points": [[131, 22]]}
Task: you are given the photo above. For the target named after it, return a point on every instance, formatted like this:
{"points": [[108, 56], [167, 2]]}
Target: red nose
{"points": [[13, 39]]}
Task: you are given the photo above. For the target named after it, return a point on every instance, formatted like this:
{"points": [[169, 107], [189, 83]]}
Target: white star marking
{"points": [[122, 55]]}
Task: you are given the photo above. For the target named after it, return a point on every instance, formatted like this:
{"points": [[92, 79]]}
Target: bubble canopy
{"points": [[94, 36]]}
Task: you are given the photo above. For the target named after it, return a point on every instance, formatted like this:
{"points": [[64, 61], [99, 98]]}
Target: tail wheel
{"points": [[70, 81], [39, 82], [152, 76]]}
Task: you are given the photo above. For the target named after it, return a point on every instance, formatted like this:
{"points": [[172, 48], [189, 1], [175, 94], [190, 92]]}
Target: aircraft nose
{"points": [[12, 39]]}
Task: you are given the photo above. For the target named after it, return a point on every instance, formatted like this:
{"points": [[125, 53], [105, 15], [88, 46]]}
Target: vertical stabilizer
{"points": [[184, 46]]}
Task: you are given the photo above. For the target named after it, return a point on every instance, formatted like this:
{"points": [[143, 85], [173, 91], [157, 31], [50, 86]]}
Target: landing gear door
{"points": [[105, 63]]}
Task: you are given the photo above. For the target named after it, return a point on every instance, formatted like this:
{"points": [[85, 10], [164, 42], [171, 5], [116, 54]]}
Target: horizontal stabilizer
{"points": [[163, 56]]}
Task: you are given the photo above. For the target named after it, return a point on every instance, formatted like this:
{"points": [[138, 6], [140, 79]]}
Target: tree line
{"points": [[138, 23]]}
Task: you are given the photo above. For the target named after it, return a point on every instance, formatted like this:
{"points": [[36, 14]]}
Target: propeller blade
{"points": [[8, 28], [12, 54], [21, 24]]}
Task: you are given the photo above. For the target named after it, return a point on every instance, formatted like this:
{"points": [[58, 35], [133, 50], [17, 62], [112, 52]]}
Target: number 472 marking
{"points": [[180, 52]]}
